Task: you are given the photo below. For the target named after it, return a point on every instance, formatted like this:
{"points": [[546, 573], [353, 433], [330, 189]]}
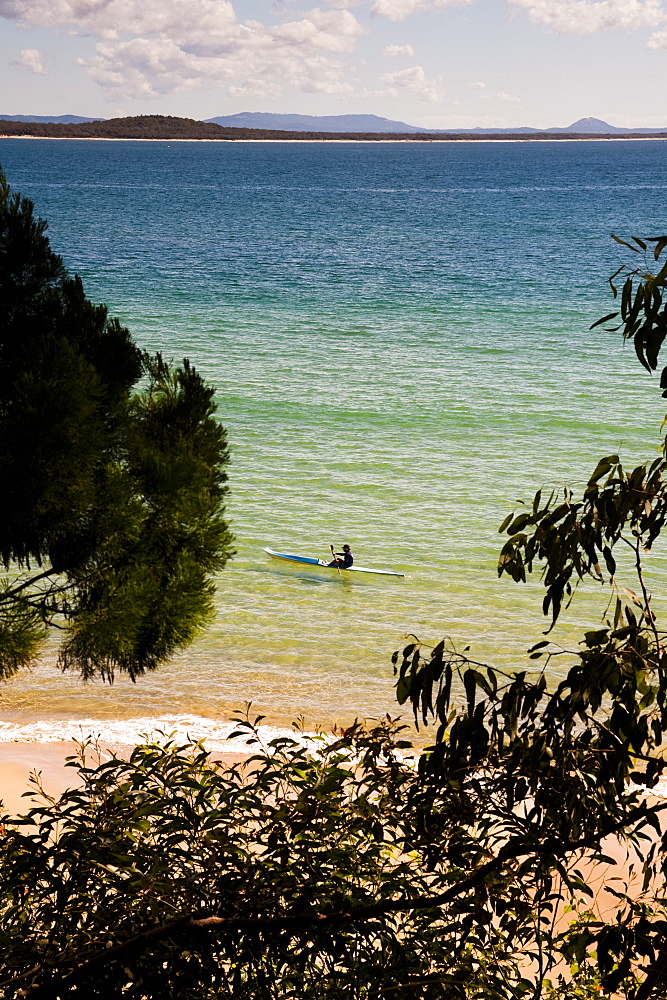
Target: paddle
{"points": [[335, 557]]}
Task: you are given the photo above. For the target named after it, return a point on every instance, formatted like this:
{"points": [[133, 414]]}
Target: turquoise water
{"points": [[398, 335]]}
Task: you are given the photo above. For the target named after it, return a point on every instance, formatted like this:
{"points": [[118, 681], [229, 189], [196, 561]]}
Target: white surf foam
{"points": [[218, 736]]}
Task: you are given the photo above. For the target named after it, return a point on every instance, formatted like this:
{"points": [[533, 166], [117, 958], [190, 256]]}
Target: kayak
{"points": [[323, 564]]}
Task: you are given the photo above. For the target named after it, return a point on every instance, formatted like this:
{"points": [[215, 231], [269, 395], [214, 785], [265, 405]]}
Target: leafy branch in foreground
{"points": [[526, 762], [170, 875], [642, 314]]}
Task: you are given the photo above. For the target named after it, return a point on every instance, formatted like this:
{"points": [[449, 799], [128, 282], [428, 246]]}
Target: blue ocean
{"points": [[399, 338]]}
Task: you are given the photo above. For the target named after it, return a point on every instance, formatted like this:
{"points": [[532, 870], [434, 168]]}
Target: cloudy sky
{"points": [[437, 63]]}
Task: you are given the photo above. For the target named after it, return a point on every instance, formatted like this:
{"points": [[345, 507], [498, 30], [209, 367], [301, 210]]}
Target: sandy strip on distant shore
{"points": [[367, 142]]}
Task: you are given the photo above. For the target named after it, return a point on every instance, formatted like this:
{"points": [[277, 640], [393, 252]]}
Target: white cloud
{"points": [[30, 59], [414, 80], [580, 17], [144, 48], [507, 98], [398, 50], [144, 67], [151, 47], [658, 40], [333, 30], [398, 10], [150, 67], [184, 20]]}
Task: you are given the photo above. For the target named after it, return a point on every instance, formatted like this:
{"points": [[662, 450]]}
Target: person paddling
{"points": [[342, 560]]}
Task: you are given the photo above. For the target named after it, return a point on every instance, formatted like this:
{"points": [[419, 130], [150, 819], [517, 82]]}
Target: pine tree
{"points": [[112, 465]]}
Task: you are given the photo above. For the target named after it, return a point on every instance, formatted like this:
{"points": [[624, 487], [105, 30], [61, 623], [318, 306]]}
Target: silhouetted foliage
{"points": [[550, 771], [112, 470]]}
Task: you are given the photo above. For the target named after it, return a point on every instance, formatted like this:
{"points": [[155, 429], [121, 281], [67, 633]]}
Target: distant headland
{"points": [[257, 126]]}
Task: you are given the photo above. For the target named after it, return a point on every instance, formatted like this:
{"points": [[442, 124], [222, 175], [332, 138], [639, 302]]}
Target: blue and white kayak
{"points": [[323, 564]]}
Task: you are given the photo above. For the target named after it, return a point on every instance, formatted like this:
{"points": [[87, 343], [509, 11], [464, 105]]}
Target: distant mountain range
{"points": [[314, 123], [584, 126], [359, 124], [62, 119], [371, 123]]}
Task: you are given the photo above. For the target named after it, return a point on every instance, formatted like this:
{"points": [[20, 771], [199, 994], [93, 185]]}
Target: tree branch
{"points": [[314, 921], [10, 594], [647, 599]]}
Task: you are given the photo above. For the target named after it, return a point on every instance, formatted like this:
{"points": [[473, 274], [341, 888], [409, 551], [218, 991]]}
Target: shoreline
{"points": [[43, 747], [218, 735], [367, 142]]}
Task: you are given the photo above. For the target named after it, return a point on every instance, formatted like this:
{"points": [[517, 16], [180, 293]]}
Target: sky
{"points": [[433, 63]]}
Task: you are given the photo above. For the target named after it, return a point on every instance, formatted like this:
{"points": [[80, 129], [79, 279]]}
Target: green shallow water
{"points": [[398, 335]]}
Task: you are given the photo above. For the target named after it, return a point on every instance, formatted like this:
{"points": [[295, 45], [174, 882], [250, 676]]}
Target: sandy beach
{"points": [[18, 761], [371, 142]]}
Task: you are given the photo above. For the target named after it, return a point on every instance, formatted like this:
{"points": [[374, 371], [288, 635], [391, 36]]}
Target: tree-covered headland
{"points": [[339, 869], [112, 466]]}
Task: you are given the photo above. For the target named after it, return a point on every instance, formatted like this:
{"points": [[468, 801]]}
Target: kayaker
{"points": [[344, 559]]}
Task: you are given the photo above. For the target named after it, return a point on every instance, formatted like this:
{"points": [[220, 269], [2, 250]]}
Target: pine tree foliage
{"points": [[113, 473]]}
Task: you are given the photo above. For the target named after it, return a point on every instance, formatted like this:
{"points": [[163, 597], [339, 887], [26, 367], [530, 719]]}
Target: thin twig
{"points": [[10, 594]]}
